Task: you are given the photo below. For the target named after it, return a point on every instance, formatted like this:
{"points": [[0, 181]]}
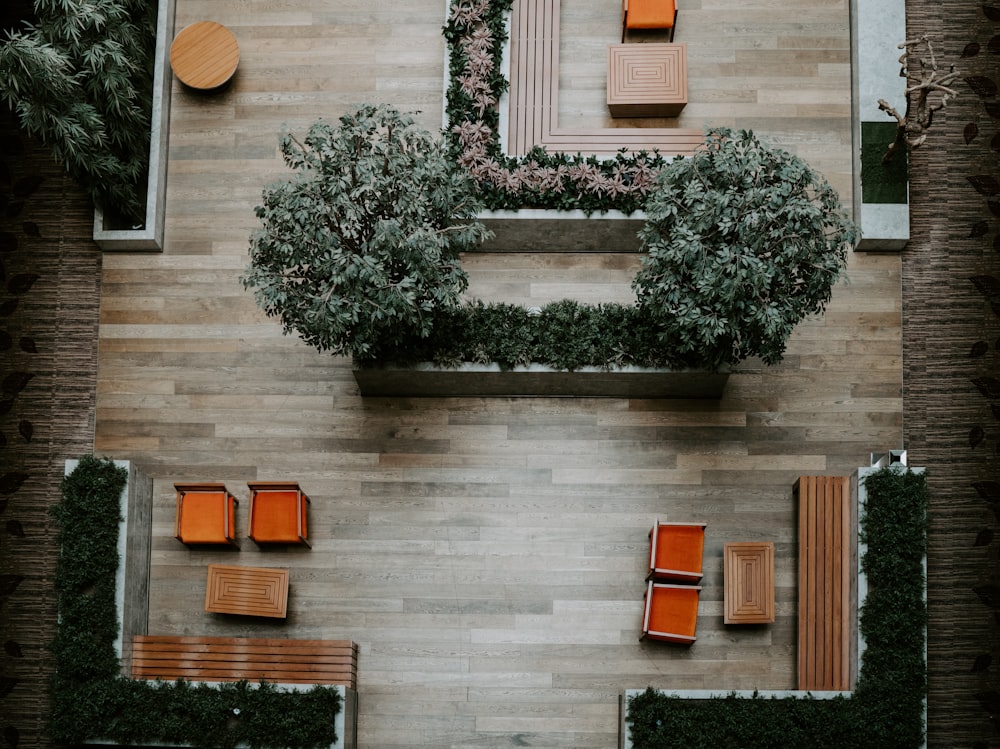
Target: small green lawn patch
{"points": [[882, 183]]}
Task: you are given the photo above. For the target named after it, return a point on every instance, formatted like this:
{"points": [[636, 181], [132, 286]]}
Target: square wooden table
{"points": [[647, 80], [249, 591], [748, 582]]}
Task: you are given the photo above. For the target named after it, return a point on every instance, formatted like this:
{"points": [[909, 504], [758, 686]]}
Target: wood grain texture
{"points": [[286, 661], [247, 591], [748, 581], [826, 582], [489, 551], [204, 55]]}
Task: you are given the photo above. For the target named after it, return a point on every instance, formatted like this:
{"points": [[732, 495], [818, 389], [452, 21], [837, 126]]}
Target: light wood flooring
{"points": [[487, 555]]}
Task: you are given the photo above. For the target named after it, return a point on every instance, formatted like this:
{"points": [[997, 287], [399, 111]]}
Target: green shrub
{"points": [[361, 247], [742, 242], [81, 80]]}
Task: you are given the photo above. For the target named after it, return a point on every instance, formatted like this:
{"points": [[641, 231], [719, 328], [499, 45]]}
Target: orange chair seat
{"points": [[649, 14], [278, 514], [676, 551], [671, 613], [206, 514]]}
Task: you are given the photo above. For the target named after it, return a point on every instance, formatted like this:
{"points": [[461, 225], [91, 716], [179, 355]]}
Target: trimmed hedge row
{"points": [[90, 699], [887, 707]]}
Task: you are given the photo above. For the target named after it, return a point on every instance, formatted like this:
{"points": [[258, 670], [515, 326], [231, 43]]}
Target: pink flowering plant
{"points": [[476, 32]]}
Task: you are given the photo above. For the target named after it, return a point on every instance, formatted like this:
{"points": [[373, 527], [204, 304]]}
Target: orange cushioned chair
{"points": [[206, 515], [278, 513], [670, 613], [675, 551], [649, 14]]}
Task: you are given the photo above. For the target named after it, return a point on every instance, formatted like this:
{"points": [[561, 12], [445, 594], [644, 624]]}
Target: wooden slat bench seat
{"points": [[826, 582], [534, 96], [236, 658]]}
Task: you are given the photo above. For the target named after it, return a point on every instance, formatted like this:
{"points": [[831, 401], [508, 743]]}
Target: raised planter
{"points": [[148, 237], [429, 380], [880, 194], [132, 596]]}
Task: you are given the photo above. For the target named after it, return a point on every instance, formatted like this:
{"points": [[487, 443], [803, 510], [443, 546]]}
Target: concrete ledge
{"points": [[429, 380], [537, 230], [149, 238]]}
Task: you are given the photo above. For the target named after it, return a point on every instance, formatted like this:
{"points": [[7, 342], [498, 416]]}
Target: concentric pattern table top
{"points": [[748, 574], [205, 55], [250, 591]]}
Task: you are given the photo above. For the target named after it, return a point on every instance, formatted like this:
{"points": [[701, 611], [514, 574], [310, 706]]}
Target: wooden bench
{"points": [[236, 658], [534, 96], [826, 582]]}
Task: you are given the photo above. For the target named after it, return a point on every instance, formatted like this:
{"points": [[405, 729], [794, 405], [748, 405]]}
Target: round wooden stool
{"points": [[204, 56]]}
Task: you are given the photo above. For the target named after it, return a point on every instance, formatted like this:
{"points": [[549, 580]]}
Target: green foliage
{"points": [[361, 246], [81, 80], [742, 242], [476, 34], [566, 335], [886, 709], [91, 700]]}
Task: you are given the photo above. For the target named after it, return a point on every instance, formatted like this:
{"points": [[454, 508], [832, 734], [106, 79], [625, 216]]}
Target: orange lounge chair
{"points": [[206, 515], [649, 14], [278, 513], [675, 551], [670, 613]]}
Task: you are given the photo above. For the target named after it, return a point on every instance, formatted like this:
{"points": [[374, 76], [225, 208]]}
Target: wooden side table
{"points": [[748, 582], [647, 80], [204, 56], [250, 591]]}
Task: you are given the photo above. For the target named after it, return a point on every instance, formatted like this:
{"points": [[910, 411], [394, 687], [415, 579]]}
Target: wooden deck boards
{"points": [[489, 552]]}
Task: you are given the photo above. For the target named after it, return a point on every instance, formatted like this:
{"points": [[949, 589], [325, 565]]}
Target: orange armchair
{"points": [[206, 515], [649, 14], [278, 513], [670, 613], [675, 551]]}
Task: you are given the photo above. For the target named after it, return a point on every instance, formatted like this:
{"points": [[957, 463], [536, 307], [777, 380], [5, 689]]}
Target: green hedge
{"points": [[565, 335], [91, 700], [886, 709]]}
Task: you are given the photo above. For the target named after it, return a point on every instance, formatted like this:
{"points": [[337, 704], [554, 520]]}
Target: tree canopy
{"points": [[742, 242], [360, 248]]}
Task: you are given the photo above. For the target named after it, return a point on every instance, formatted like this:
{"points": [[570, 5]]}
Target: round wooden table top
{"points": [[204, 55]]}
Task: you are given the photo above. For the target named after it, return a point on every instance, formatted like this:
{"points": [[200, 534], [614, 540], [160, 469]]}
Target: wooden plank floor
{"points": [[487, 555]]}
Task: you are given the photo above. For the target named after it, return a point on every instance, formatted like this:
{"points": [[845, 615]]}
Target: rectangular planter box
{"points": [[429, 380], [149, 238]]}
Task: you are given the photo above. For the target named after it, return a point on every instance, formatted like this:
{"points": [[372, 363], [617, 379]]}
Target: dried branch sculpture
{"points": [[923, 79]]}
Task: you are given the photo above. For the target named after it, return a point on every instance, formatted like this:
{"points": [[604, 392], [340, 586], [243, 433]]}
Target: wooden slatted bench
{"points": [[235, 658], [826, 582], [534, 96]]}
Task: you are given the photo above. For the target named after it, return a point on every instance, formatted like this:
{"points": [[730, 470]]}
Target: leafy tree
{"points": [[360, 249], [742, 242], [80, 78]]}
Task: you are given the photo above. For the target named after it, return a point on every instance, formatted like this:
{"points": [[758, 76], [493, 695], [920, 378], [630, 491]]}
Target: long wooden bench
{"points": [[534, 96], [826, 582], [236, 658]]}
